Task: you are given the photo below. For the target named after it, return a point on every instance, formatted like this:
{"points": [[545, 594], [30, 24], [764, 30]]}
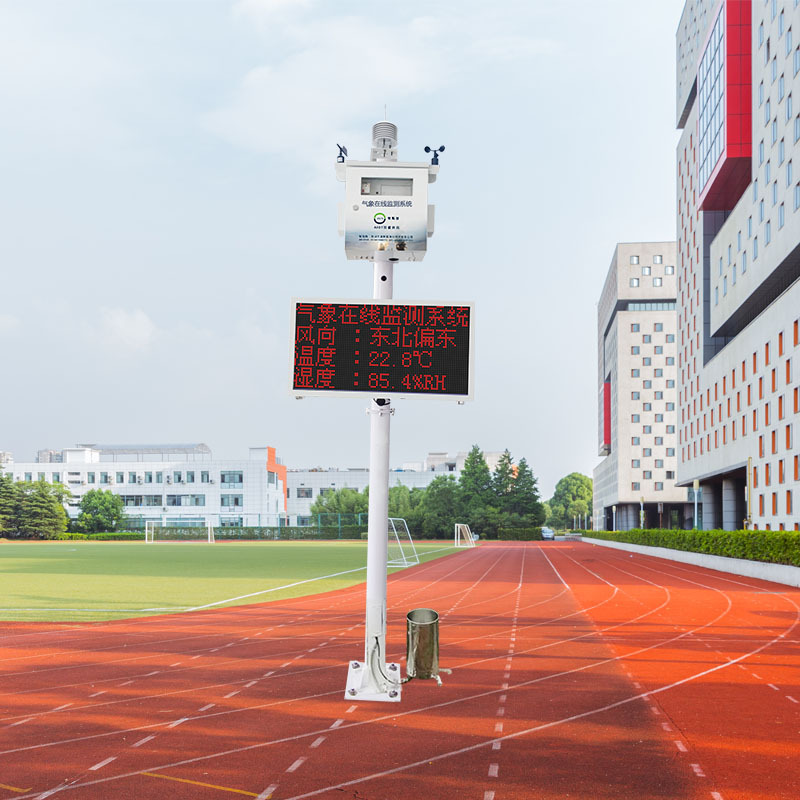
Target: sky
{"points": [[167, 186]]}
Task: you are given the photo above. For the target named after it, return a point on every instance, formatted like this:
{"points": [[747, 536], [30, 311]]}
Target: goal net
{"points": [[463, 536], [401, 551], [201, 531]]}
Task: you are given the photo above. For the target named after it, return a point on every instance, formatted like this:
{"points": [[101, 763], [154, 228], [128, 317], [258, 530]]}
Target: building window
{"points": [[634, 327], [670, 337], [658, 281], [781, 216], [634, 440], [204, 477], [635, 350], [670, 452], [120, 477], [634, 418], [670, 429], [659, 349], [659, 441], [659, 417], [670, 475], [647, 452], [670, 406], [231, 500], [669, 270], [635, 486], [658, 259], [647, 429], [231, 478], [768, 232], [658, 327], [646, 338], [647, 384], [634, 282], [634, 259], [634, 395], [647, 475], [634, 373], [659, 486], [305, 492], [744, 262], [89, 477], [635, 463], [190, 477], [647, 406], [755, 248], [646, 361], [645, 270]]}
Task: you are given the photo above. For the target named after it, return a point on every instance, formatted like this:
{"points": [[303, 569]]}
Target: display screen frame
{"points": [[382, 392]]}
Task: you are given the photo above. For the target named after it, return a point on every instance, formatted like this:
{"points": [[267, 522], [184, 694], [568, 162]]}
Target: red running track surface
{"points": [[578, 671]]}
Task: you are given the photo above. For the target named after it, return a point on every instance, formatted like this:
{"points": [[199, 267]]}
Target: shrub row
{"points": [[519, 534], [775, 547], [103, 537]]}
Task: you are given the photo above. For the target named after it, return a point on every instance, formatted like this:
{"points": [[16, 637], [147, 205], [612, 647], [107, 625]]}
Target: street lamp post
{"points": [[696, 487], [613, 518], [641, 512]]}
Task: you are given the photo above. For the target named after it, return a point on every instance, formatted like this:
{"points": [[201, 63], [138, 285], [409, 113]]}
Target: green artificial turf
{"points": [[53, 581]]}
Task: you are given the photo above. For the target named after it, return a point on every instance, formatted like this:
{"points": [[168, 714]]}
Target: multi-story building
{"points": [[306, 485], [173, 485], [738, 181], [635, 484]]}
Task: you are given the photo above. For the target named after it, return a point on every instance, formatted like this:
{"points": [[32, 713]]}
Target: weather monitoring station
{"points": [[379, 347]]}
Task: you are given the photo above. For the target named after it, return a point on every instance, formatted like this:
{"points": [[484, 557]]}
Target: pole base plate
{"points": [[362, 685]]}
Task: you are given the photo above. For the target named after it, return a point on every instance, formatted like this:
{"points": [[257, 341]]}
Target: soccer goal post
{"points": [[183, 531], [463, 536], [401, 551]]}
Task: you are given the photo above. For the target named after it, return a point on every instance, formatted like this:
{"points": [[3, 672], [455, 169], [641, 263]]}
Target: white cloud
{"points": [[131, 331], [8, 323], [325, 73]]}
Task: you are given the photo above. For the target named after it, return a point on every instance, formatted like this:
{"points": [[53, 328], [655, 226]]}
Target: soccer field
{"points": [[53, 581]]}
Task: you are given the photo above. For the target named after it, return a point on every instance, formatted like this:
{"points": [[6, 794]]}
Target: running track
{"points": [[578, 671]]}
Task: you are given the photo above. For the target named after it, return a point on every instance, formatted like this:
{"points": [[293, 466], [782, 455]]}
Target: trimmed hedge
{"points": [[519, 534], [774, 547]]}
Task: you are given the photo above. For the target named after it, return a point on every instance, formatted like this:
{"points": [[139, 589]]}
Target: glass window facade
{"points": [[711, 96]]}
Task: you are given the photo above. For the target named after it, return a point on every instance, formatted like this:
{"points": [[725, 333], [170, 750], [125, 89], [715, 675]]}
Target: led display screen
{"points": [[382, 348]]}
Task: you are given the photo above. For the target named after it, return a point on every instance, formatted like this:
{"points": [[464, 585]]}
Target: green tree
{"points": [[100, 511], [342, 501], [10, 505], [503, 481], [476, 492], [572, 496], [524, 495], [42, 514], [439, 507]]}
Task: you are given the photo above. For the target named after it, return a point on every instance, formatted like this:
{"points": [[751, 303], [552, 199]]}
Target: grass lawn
{"points": [[52, 581]]}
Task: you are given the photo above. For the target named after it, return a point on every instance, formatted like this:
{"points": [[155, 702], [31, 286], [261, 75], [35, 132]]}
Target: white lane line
{"points": [[716, 795], [504, 686], [351, 709], [789, 697], [194, 657], [655, 709], [757, 677], [493, 770], [667, 727], [502, 698], [267, 674], [61, 708], [143, 741], [277, 589], [297, 764], [698, 770], [207, 706], [681, 746], [23, 721], [154, 672], [337, 723], [97, 694], [501, 712], [101, 764], [317, 742], [488, 796], [248, 685], [773, 686], [284, 665], [496, 745], [267, 793], [177, 722], [127, 683], [176, 664], [48, 793], [232, 694], [498, 727]]}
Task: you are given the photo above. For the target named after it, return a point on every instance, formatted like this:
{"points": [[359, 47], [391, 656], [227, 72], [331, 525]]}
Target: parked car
{"points": [[548, 533]]}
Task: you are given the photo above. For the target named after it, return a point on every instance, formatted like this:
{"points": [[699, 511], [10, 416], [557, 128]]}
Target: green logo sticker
{"points": [[380, 218]]}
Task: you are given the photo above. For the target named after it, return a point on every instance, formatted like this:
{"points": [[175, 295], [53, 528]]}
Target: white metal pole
{"points": [[374, 679]]}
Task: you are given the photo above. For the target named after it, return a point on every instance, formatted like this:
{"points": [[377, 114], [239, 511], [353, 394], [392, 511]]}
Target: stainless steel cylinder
{"points": [[422, 643]]}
